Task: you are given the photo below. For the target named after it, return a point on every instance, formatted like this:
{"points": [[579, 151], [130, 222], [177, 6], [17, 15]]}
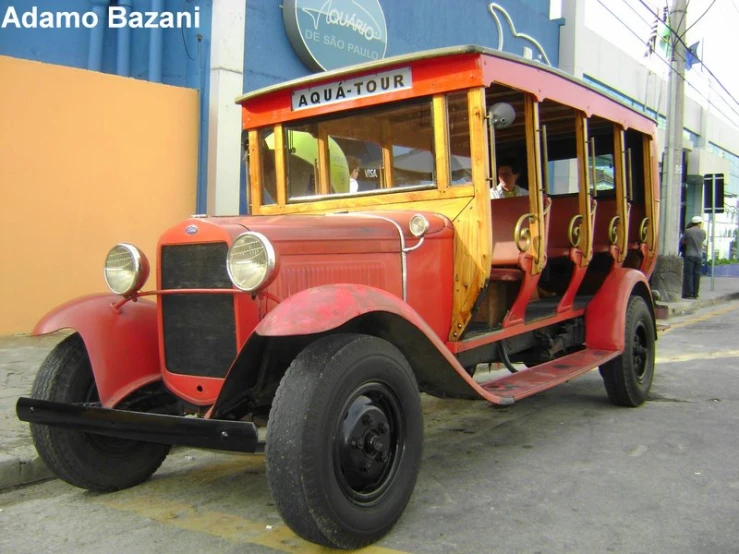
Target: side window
{"points": [[410, 138], [510, 174], [562, 169], [363, 161], [460, 161], [361, 151], [600, 140], [268, 174], [301, 158], [635, 158]]}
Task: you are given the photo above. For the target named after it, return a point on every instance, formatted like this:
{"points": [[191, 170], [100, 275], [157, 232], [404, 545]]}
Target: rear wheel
{"points": [[629, 377], [86, 460], [344, 440]]}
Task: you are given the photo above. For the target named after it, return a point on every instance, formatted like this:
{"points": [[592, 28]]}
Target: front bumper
{"points": [[216, 434]]}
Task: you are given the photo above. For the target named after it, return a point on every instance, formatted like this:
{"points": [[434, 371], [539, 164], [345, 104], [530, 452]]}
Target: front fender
{"points": [[123, 346], [327, 307], [351, 308], [605, 316]]}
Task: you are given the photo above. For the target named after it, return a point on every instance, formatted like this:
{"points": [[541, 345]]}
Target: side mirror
{"points": [[502, 115]]}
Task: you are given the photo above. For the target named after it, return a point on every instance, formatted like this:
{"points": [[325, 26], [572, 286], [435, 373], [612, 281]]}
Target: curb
{"points": [[22, 468], [671, 309]]}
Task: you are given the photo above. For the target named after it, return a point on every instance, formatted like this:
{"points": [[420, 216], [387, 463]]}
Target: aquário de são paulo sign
{"points": [[328, 34], [351, 89]]}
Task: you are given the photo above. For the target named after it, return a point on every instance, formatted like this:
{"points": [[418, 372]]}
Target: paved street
{"points": [[561, 472]]}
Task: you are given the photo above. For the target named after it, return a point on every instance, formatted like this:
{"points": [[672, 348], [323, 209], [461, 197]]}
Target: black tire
{"points": [[329, 487], [93, 462], [629, 377]]}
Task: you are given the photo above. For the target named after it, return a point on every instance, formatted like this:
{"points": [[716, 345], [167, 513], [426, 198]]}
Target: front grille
{"points": [[199, 329]]}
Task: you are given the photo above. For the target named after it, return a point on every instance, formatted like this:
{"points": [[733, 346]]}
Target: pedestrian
{"points": [[692, 242]]}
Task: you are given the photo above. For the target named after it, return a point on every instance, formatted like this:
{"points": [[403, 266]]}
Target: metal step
{"points": [[545, 376]]}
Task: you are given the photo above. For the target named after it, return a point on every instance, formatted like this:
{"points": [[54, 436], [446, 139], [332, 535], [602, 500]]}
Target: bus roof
{"points": [[529, 67]]}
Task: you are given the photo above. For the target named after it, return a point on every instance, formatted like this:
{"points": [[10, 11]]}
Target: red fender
{"points": [[327, 307], [323, 308], [123, 346], [605, 315]]}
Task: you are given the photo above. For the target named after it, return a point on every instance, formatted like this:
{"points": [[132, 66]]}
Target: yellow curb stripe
{"points": [[702, 317], [698, 356], [227, 526]]}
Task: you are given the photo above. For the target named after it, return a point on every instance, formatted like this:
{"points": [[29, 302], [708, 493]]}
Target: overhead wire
{"points": [[678, 54], [674, 34], [672, 69], [701, 16]]}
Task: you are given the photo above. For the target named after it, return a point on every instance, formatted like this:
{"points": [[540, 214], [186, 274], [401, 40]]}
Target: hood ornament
{"points": [[191, 229]]}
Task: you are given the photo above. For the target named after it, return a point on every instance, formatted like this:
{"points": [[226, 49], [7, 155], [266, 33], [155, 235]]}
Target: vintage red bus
{"points": [[381, 259]]}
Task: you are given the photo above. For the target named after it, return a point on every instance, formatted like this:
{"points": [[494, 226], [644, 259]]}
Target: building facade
{"points": [[223, 48]]}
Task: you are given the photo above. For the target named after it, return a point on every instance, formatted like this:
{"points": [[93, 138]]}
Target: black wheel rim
{"points": [[640, 351], [368, 443]]}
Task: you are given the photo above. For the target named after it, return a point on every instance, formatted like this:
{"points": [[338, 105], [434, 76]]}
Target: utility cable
{"points": [[701, 16], [672, 69], [682, 42], [716, 79]]}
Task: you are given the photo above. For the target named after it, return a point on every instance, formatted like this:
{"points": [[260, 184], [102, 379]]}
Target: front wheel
{"points": [[629, 377], [86, 460], [344, 440]]}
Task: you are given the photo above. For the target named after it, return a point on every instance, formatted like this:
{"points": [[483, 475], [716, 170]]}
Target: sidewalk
{"points": [[725, 288], [21, 356]]}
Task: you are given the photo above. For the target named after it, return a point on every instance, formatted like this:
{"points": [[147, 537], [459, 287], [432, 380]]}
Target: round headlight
{"points": [[126, 269], [251, 261], [418, 225]]}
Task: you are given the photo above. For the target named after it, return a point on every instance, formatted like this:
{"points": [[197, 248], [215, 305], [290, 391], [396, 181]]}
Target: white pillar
{"points": [[570, 37], [224, 117]]}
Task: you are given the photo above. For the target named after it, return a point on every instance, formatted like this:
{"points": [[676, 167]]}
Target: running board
{"points": [[545, 376]]}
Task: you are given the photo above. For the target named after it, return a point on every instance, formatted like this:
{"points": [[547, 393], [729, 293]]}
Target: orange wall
{"points": [[86, 160]]}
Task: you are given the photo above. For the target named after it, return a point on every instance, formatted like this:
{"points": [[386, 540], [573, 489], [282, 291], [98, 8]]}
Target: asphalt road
{"points": [[561, 472]]}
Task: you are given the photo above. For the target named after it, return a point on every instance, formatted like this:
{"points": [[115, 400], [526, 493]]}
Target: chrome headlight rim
{"points": [[269, 268], [418, 225], [140, 270]]}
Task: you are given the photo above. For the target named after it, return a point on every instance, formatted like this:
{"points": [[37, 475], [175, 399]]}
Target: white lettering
{"points": [[68, 20], [46, 21], [151, 20], [90, 20], [184, 19], [33, 19], [11, 18], [116, 17], [30, 19], [136, 20]]}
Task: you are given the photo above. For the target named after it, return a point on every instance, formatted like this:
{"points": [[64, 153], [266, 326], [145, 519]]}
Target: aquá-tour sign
{"points": [[328, 34]]}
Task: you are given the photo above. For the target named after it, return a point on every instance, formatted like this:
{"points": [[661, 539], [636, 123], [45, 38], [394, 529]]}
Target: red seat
{"points": [[505, 213]]}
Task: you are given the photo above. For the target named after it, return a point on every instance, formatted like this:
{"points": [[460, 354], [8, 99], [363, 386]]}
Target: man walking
{"points": [[692, 242]]}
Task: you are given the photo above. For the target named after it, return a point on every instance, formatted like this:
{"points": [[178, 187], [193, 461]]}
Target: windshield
{"points": [[367, 152]]}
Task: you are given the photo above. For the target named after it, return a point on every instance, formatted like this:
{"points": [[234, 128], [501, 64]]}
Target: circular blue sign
{"points": [[328, 34]]}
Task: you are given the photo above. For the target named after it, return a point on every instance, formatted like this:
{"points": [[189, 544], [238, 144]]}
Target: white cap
{"points": [[697, 220]]}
